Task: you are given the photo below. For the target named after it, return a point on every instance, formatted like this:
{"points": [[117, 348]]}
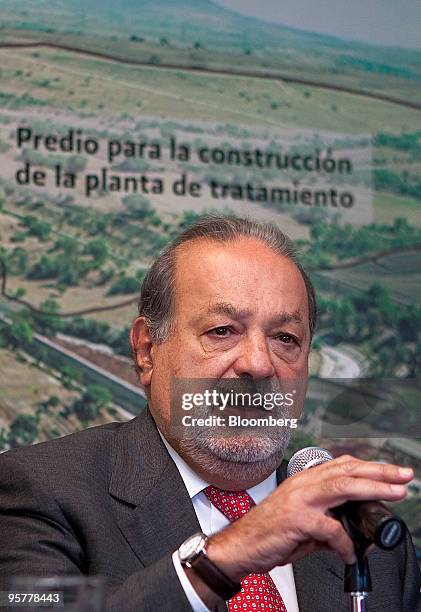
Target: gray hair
{"points": [[157, 292]]}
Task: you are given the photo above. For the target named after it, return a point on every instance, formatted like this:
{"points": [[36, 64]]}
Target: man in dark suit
{"points": [[227, 300]]}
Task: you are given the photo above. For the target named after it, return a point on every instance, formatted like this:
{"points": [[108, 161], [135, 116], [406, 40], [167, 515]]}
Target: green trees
{"points": [[23, 430], [331, 242], [71, 263], [17, 335], [120, 341], [44, 407], [138, 206], [344, 319], [45, 268], [360, 316], [189, 218], [37, 227], [407, 141], [92, 401], [46, 321], [98, 249], [409, 324], [89, 329], [403, 183], [70, 378], [2, 198], [391, 332], [17, 261], [124, 285], [98, 331]]}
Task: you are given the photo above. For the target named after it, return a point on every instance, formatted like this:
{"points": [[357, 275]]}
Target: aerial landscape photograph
{"points": [[121, 126]]}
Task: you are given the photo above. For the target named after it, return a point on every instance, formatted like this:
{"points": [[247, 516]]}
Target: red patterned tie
{"points": [[258, 593]]}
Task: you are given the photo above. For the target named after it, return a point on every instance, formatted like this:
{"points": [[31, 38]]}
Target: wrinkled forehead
{"points": [[245, 272]]}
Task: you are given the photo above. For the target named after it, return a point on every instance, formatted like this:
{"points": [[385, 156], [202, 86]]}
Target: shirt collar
{"points": [[192, 481], [195, 483]]}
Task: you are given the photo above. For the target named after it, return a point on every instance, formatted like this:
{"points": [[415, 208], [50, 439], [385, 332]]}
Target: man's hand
{"points": [[293, 521]]}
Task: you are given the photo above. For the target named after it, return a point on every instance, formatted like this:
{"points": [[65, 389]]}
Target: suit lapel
{"points": [[154, 513], [319, 585]]}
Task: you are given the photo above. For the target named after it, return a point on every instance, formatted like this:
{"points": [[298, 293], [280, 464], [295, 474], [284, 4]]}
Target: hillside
{"points": [[201, 33], [182, 19]]}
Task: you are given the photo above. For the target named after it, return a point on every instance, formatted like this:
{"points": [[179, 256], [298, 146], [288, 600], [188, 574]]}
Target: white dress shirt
{"points": [[212, 520]]}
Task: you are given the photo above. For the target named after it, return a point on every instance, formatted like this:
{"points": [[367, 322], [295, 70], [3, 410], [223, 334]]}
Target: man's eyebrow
{"points": [[288, 317], [230, 310], [224, 308]]}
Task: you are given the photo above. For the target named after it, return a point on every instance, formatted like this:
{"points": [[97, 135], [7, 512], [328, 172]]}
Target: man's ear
{"points": [[141, 345]]}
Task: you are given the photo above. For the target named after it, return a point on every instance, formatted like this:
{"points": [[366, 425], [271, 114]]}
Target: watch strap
{"points": [[213, 577]]}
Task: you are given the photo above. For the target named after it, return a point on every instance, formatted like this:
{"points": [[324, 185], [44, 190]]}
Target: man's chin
{"points": [[244, 448]]}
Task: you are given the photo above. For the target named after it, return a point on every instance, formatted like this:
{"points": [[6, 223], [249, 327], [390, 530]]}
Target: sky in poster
{"points": [[382, 22]]}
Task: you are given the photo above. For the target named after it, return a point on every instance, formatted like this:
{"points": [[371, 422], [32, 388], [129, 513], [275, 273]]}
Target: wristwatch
{"points": [[192, 554]]}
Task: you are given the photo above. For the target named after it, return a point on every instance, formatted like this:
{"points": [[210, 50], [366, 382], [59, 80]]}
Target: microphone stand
{"points": [[375, 527], [358, 583], [357, 579]]}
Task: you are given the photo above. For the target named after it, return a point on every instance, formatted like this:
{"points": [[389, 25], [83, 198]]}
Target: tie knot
{"points": [[232, 504]]}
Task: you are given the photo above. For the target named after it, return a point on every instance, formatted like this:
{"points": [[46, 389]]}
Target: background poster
{"points": [[121, 124]]}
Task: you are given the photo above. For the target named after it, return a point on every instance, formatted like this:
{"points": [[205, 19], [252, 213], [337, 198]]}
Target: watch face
{"points": [[191, 547]]}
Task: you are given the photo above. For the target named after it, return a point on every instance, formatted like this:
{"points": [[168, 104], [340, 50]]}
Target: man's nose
{"points": [[254, 359]]}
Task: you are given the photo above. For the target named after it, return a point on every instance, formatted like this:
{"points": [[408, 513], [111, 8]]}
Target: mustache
{"points": [[248, 389], [248, 385]]}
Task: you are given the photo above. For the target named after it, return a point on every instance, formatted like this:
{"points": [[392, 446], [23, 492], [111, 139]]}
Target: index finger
{"points": [[373, 470]]}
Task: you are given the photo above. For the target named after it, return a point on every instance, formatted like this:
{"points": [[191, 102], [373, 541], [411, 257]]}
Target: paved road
{"points": [[339, 362]]}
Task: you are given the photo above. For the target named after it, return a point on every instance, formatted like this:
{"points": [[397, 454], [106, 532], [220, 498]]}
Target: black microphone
{"points": [[369, 520]]}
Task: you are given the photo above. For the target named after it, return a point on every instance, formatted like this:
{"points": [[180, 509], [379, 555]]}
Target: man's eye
{"points": [[286, 338], [221, 331]]}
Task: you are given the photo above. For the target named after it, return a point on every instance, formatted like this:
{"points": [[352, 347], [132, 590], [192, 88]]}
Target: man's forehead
{"points": [[237, 267], [247, 249]]}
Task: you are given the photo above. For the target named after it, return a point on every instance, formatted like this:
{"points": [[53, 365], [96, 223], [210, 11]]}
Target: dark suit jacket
{"points": [[109, 500]]}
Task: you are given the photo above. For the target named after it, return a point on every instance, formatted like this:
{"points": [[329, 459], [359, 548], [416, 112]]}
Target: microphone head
{"points": [[307, 458]]}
